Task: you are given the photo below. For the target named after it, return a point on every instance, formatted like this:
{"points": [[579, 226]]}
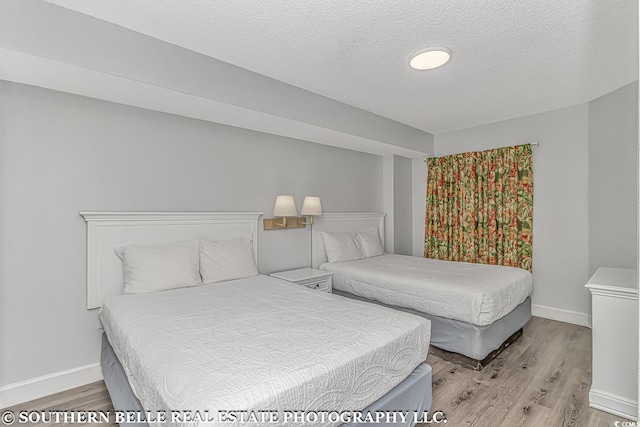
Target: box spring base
{"points": [[474, 345]]}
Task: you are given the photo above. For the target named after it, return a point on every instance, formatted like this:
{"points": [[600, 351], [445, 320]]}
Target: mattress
{"points": [[475, 293], [260, 344]]}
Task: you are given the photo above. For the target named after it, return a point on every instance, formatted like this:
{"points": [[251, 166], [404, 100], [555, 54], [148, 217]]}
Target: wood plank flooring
{"points": [[541, 380], [91, 397]]}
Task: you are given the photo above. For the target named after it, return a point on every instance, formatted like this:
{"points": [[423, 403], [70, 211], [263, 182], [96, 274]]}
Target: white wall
{"points": [[388, 203], [61, 154], [403, 208], [585, 193], [613, 174], [560, 218], [404, 188], [419, 204], [104, 62]]}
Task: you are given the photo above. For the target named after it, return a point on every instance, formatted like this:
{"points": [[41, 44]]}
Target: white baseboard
{"points": [[35, 388], [561, 315], [613, 404]]}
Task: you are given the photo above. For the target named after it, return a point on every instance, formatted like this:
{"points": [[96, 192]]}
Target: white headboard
{"points": [[342, 223], [107, 230]]}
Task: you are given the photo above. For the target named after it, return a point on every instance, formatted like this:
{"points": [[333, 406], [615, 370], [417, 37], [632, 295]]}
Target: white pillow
{"points": [[151, 268], [370, 243], [341, 247], [231, 259]]}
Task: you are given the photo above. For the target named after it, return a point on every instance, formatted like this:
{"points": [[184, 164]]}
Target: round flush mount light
{"points": [[428, 59]]}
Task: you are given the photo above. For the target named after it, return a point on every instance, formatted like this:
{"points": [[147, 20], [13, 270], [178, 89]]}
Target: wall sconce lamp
{"points": [[284, 208], [311, 206]]}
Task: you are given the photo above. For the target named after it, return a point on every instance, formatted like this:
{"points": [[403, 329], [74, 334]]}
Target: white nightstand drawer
{"points": [[321, 285], [313, 279]]}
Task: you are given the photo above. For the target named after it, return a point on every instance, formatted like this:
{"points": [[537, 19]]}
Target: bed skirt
{"points": [[412, 394], [473, 341]]}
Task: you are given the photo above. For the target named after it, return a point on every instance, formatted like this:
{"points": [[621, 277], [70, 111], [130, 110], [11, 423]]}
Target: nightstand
{"points": [[309, 277]]}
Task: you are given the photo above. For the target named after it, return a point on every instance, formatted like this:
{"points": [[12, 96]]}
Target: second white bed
{"points": [[475, 293]]}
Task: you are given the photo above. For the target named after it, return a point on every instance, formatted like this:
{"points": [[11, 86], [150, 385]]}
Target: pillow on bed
{"points": [[341, 247], [151, 268], [370, 243], [230, 259]]}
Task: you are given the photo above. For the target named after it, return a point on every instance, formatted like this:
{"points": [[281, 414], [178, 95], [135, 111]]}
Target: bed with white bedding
{"points": [[260, 344], [476, 310], [474, 293], [243, 341]]}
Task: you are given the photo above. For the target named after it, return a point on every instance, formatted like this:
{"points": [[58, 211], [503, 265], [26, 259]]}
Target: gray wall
{"points": [[61, 154], [266, 104], [419, 204], [585, 192], [612, 179], [402, 209], [560, 220]]}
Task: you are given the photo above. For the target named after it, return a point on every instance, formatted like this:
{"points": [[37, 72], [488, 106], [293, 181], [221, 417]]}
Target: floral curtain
{"points": [[480, 207]]}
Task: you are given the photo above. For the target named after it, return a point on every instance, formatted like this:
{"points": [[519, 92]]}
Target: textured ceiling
{"points": [[509, 58]]}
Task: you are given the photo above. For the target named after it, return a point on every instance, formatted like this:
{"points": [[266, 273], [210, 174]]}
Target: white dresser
{"points": [[614, 386]]}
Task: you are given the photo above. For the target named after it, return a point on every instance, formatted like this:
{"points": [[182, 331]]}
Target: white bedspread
{"points": [[474, 293], [261, 344]]}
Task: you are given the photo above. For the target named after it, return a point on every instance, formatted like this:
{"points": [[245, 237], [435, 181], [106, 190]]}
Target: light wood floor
{"points": [[541, 380]]}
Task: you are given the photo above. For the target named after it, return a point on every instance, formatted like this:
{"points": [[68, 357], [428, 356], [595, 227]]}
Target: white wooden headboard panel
{"points": [[108, 230], [342, 223]]}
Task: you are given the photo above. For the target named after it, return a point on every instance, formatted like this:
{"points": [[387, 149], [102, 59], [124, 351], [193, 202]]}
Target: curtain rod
{"points": [[533, 144]]}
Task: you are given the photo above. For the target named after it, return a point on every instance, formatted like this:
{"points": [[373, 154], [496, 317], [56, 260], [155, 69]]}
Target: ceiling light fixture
{"points": [[428, 59]]}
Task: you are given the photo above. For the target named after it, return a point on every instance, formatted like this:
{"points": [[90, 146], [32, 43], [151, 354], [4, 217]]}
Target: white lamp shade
{"points": [[285, 206], [311, 206]]}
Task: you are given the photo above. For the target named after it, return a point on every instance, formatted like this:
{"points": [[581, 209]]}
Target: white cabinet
{"points": [[614, 386]]}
